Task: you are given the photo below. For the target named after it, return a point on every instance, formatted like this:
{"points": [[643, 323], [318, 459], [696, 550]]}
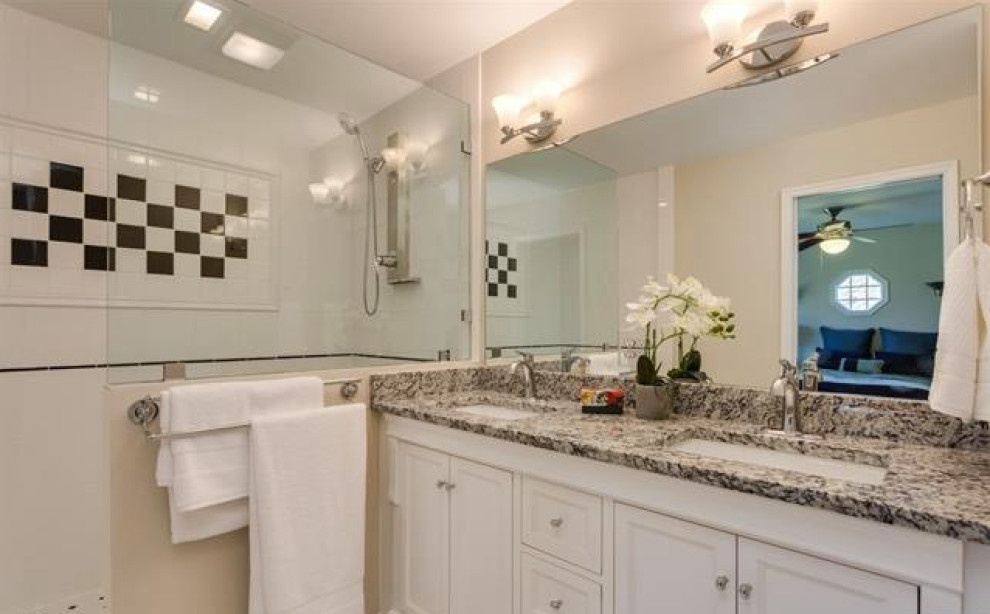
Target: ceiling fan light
{"points": [[834, 246]]}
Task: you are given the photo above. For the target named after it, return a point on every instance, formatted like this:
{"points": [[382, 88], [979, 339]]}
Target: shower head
{"points": [[350, 126]]}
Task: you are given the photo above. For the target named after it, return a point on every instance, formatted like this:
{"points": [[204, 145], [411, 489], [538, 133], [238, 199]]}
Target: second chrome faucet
{"points": [[527, 365]]}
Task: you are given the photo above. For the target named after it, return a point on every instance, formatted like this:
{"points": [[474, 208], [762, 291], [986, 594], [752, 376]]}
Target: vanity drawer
{"points": [[563, 522], [548, 589]]}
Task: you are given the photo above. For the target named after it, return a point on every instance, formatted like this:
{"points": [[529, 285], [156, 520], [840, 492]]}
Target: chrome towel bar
{"points": [[144, 411]]}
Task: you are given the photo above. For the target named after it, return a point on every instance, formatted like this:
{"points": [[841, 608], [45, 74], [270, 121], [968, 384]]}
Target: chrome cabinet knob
{"points": [[556, 522], [745, 590], [556, 604], [450, 485], [442, 484], [722, 582]]}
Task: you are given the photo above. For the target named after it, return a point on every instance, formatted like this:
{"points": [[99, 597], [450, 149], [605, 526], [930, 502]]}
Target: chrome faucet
{"points": [[528, 365], [568, 360], [786, 388]]}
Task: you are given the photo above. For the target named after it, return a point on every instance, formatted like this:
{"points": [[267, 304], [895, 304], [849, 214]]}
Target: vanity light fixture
{"points": [[202, 15], [394, 158], [330, 191], [252, 51], [416, 152], [771, 45], [539, 127]]}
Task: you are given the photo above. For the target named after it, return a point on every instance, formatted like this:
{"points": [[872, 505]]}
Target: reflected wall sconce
{"points": [[330, 191], [541, 125], [394, 157], [771, 45], [416, 153]]}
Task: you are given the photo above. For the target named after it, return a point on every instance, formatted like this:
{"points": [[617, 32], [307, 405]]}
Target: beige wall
{"points": [[729, 214]]}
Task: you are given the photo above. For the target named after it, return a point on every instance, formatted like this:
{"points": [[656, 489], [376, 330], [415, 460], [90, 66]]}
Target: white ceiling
{"points": [[541, 175], [415, 38], [921, 66], [892, 204]]}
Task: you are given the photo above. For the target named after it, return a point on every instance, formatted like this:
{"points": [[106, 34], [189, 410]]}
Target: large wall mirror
{"points": [[822, 204]]}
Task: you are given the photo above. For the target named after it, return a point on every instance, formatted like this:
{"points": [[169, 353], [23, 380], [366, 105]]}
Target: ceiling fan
{"points": [[832, 236]]}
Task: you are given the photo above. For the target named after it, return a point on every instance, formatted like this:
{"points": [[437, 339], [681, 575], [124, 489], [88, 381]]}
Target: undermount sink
{"points": [[496, 412], [800, 462]]}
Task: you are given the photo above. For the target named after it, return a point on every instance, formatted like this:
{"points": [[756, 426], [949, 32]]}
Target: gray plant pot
{"points": [[654, 402]]}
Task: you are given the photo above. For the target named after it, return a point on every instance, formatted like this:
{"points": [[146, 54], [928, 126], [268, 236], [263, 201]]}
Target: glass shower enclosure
{"points": [[273, 202]]}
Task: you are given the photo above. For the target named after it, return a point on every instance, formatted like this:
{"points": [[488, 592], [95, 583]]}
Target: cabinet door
{"points": [[777, 581], [664, 565], [423, 545], [480, 539]]}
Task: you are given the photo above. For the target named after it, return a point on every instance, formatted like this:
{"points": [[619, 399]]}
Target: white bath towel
{"points": [[981, 406], [953, 389], [208, 474], [307, 511]]}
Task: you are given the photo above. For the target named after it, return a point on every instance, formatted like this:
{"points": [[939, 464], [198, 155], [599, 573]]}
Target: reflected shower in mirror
{"points": [[820, 202]]}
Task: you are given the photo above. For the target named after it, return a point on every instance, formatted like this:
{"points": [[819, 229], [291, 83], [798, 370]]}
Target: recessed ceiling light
{"points": [[202, 15], [252, 51], [147, 94]]}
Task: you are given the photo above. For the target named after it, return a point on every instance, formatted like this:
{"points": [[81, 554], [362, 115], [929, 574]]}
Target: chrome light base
{"points": [[776, 42], [536, 132]]}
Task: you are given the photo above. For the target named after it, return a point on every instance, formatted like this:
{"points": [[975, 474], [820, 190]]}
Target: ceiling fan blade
{"points": [[806, 235], [864, 239], [803, 245]]}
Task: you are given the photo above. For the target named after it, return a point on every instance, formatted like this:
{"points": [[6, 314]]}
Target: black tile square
{"points": [[493, 262], [186, 242], [236, 247], [26, 197], [160, 216], [237, 205], [512, 264], [99, 208], [186, 197], [25, 252], [212, 223], [132, 237], [65, 176], [98, 258], [512, 291], [211, 267], [161, 263], [65, 229], [503, 277], [503, 249], [132, 188], [492, 289]]}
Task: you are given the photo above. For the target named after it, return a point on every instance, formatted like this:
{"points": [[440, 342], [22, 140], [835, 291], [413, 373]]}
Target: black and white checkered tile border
{"points": [[103, 225], [502, 271]]}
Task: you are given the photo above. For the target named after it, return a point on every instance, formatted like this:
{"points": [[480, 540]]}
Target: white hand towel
{"points": [[307, 511], [954, 383], [208, 474], [981, 405]]}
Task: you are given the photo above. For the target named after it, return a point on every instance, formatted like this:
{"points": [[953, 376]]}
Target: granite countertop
{"points": [[945, 491]]}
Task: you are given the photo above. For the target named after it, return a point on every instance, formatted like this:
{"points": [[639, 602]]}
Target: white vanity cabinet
{"points": [[453, 548], [778, 581], [691, 568], [662, 560], [485, 526]]}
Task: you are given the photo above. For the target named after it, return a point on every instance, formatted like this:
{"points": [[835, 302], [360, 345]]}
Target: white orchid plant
{"points": [[684, 311]]}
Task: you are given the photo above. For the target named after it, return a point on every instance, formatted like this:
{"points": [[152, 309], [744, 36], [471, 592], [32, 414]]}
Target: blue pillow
{"points": [[849, 341], [902, 364], [905, 342], [830, 359]]}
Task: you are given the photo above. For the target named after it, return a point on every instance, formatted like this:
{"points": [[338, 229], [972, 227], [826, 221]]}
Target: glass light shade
{"points": [[834, 246], [796, 7], [319, 192], [416, 154], [335, 189], [507, 108], [545, 96], [394, 157], [723, 18]]}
